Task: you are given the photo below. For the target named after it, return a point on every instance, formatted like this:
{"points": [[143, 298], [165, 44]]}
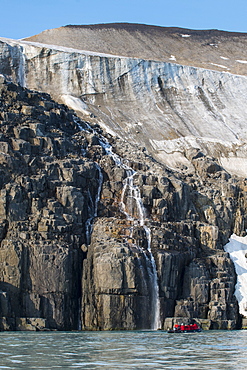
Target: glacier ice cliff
{"points": [[164, 107]]}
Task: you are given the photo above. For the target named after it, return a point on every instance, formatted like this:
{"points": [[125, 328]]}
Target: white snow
{"points": [[75, 103], [237, 248], [172, 57], [225, 58], [59, 48], [242, 61], [235, 165], [185, 35], [182, 143], [219, 65]]}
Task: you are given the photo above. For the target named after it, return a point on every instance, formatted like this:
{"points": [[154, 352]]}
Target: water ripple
{"points": [[217, 350]]}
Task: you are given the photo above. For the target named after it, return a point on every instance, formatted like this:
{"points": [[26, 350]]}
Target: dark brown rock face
{"points": [[59, 272], [46, 194]]}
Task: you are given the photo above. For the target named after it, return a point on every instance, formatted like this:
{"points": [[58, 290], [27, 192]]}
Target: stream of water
{"points": [[93, 206], [132, 207]]}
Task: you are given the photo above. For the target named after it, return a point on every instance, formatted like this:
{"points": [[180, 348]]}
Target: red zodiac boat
{"points": [[191, 328]]}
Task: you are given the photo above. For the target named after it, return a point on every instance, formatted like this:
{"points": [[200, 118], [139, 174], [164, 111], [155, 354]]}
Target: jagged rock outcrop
{"points": [[100, 231]]}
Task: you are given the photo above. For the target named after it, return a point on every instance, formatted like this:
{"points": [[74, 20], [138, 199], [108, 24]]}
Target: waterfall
{"points": [[22, 70], [134, 193], [92, 203], [132, 207], [156, 323], [93, 206], [134, 204], [18, 54]]}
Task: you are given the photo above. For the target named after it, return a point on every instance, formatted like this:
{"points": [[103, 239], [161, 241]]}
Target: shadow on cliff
{"points": [[15, 303]]}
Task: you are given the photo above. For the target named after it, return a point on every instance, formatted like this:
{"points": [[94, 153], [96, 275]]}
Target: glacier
{"points": [[157, 105]]}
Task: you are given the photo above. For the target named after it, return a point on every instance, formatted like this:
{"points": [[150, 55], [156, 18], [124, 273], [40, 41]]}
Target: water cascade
{"points": [[132, 207], [156, 323], [93, 206], [92, 200]]}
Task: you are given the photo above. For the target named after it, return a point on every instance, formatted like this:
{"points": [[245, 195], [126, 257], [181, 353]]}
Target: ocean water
{"points": [[123, 350]]}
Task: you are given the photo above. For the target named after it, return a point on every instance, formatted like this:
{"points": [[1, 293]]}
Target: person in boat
{"points": [[181, 328]]}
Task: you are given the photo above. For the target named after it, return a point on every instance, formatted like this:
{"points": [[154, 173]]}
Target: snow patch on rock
{"points": [[242, 61], [37, 45], [237, 248], [219, 65], [75, 103], [234, 165], [172, 57]]}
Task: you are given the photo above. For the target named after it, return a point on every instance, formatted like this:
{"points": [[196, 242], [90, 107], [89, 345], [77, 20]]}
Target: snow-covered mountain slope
{"points": [[169, 109]]}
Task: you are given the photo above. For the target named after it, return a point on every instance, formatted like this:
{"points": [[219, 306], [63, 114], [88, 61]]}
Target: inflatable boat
{"points": [[191, 328]]}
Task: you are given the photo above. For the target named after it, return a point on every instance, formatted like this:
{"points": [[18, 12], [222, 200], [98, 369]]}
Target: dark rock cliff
{"points": [[47, 189], [96, 240]]}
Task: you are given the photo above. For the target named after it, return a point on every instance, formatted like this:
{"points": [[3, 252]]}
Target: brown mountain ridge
{"points": [[210, 49]]}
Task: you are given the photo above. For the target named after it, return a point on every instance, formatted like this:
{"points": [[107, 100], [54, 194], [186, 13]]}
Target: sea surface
{"points": [[123, 350]]}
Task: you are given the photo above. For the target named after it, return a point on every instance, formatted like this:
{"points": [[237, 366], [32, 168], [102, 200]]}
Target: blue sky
{"points": [[22, 18]]}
